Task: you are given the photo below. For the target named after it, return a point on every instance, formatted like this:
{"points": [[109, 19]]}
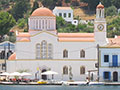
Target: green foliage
{"points": [[21, 23], [106, 3], [35, 6], [20, 8], [114, 27], [6, 22], [49, 3], [116, 3], [63, 26], [75, 3], [5, 4], [25, 30], [91, 3], [60, 22], [110, 11], [67, 1]]}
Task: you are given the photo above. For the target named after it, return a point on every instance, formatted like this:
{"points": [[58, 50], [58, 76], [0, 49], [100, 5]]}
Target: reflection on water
{"points": [[41, 87]]}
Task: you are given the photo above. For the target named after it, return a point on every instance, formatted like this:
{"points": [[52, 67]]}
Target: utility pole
{"points": [[98, 59], [5, 58]]}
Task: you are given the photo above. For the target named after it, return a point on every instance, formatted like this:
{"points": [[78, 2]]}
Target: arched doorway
{"points": [[44, 77], [115, 76]]}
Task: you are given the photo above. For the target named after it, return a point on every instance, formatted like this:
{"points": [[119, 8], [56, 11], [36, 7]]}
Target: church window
{"points": [[38, 51], [65, 70], [43, 49], [50, 49], [82, 70], [82, 54], [46, 24], [65, 54], [49, 24], [60, 14], [36, 24], [42, 24], [64, 14], [69, 15]]}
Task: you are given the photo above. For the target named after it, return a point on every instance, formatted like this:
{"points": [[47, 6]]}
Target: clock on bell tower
{"points": [[100, 24]]}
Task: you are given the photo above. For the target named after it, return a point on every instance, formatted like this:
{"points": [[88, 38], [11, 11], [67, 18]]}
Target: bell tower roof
{"points": [[100, 5]]}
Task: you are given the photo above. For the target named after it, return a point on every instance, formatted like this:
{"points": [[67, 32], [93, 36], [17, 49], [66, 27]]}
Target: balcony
{"points": [[114, 65]]}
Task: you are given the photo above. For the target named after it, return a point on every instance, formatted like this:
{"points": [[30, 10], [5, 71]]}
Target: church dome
{"points": [[12, 57], [100, 6], [42, 12]]}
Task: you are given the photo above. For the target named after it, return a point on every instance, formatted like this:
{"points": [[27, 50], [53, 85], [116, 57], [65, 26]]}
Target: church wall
{"points": [[54, 65], [28, 50]]}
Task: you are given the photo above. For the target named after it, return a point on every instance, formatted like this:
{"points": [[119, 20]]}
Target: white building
{"points": [[109, 64], [66, 13], [69, 54]]}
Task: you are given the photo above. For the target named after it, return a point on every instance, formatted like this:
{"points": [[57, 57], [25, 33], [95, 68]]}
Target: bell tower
{"points": [[100, 25]]}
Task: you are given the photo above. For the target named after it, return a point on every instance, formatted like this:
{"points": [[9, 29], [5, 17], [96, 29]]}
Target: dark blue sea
{"points": [[21, 87]]}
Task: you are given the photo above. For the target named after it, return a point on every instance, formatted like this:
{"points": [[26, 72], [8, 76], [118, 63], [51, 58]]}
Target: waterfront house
{"points": [[109, 61]]}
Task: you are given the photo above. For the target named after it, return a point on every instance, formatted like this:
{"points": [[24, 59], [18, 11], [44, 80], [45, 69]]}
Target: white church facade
{"points": [[69, 54]]}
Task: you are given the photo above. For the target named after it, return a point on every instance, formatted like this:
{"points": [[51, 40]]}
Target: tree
{"points": [[116, 3], [49, 3], [114, 27], [60, 22], [20, 8], [110, 11], [35, 6], [106, 3], [91, 3], [6, 22], [21, 23]]}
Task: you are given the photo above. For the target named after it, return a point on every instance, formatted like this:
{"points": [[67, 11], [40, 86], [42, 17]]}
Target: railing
{"points": [[114, 65]]}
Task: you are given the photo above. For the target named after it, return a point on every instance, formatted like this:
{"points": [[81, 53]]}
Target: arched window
{"points": [[42, 24], [49, 24], [36, 24], [82, 70], [65, 70], [38, 51], [43, 49], [65, 54], [46, 24], [50, 51], [82, 54]]}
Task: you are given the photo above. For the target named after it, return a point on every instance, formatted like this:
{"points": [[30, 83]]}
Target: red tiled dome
{"points": [[12, 57], [42, 12], [100, 6]]}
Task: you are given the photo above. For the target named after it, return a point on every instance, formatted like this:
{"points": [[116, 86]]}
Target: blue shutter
{"points": [[109, 76], [103, 75], [115, 60]]}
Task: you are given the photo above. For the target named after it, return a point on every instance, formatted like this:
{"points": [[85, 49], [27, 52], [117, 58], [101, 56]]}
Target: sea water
{"points": [[52, 87]]}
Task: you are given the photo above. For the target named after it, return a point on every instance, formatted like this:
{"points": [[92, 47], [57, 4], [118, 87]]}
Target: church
{"points": [[71, 55]]}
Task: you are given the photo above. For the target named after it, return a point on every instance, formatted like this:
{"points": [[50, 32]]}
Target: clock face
{"points": [[100, 27]]}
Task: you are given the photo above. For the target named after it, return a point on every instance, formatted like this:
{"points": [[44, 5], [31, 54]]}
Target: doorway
{"points": [[44, 77], [115, 76]]}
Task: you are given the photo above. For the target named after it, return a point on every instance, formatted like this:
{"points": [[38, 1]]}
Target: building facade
{"points": [[66, 13], [69, 54], [109, 68]]}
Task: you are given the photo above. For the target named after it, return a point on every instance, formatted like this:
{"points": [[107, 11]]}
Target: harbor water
{"points": [[52, 87]]}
